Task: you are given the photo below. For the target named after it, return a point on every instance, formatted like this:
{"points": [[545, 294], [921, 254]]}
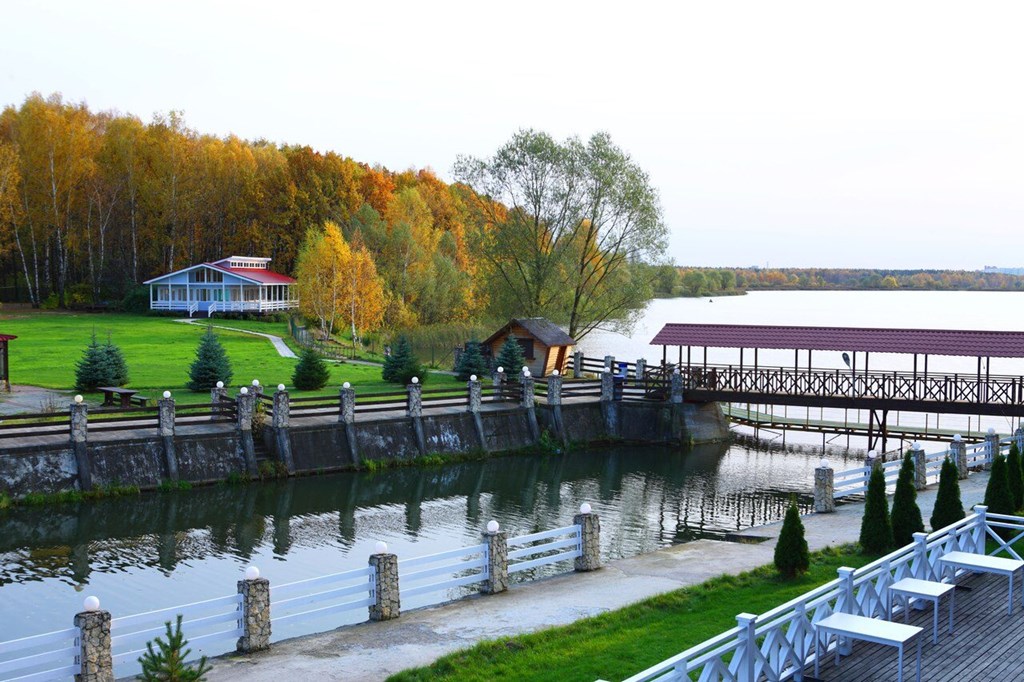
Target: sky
{"points": [[867, 134]]}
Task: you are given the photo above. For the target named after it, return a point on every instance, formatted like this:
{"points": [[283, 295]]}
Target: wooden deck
{"points": [[987, 643]]}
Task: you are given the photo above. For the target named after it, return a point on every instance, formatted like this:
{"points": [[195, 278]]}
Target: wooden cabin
{"points": [[233, 284], [5, 376], [545, 346]]}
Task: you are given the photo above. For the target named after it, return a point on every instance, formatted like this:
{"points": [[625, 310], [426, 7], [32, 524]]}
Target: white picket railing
{"points": [[322, 596], [465, 566], [559, 544], [779, 643], [52, 655]]}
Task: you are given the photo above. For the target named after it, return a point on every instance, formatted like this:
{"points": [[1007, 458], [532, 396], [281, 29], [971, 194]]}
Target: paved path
{"points": [[282, 348], [372, 651], [25, 399]]}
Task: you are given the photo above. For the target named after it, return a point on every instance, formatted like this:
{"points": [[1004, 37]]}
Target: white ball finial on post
{"points": [[492, 526], [220, 384], [91, 604], [585, 508], [252, 573], [380, 548], [167, 394]]}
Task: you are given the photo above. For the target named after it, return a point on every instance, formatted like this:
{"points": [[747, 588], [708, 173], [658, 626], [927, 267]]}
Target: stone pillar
{"points": [[217, 395], [609, 363], [677, 388], [555, 405], [79, 442], [245, 405], [474, 399], [958, 451], [347, 405], [590, 537], [255, 614], [527, 394], [281, 423], [824, 489], [497, 560], [555, 389], [385, 587], [577, 364], [920, 471], [607, 387], [641, 368], [414, 404], [166, 428], [95, 656], [991, 447]]}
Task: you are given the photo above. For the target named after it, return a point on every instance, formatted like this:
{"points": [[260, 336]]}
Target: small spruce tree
{"points": [[311, 372], [166, 662], [116, 363], [211, 364], [997, 494], [948, 507], [791, 555], [92, 369], [906, 515], [401, 366], [875, 528], [471, 362], [1015, 476], [511, 359]]}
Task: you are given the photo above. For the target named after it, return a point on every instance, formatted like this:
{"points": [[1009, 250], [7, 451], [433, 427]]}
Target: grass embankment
{"points": [[621, 643], [159, 352]]}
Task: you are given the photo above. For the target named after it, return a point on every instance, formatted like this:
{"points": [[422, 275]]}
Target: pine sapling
{"points": [[791, 555], [948, 507], [166, 661], [875, 527], [906, 516]]}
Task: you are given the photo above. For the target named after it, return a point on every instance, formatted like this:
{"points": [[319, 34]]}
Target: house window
{"points": [[202, 275], [527, 346]]}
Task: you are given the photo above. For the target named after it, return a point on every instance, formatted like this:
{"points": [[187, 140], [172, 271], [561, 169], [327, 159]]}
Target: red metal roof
{"points": [[7, 337], [926, 341], [259, 275]]}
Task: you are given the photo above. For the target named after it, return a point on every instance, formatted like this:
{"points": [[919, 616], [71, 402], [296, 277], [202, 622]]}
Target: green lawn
{"points": [[159, 351], [618, 644]]}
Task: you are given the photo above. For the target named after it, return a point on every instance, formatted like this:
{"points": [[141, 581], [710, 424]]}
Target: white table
{"points": [[912, 588], [982, 563], [869, 630]]}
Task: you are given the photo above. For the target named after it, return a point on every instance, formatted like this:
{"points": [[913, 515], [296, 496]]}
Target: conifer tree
{"points": [[875, 528], [166, 662], [116, 364], [906, 515], [91, 370], [997, 493], [791, 555], [1015, 476], [311, 372], [948, 507], [471, 362], [401, 366], [511, 359], [211, 364]]}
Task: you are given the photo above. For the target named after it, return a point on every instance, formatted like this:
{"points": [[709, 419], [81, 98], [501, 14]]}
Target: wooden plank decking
{"points": [[987, 644]]}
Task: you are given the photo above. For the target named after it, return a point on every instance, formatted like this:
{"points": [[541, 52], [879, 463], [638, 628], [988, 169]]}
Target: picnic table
{"points": [[112, 395]]}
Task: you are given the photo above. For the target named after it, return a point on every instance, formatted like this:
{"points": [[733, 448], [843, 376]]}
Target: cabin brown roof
{"points": [[542, 329], [925, 341]]}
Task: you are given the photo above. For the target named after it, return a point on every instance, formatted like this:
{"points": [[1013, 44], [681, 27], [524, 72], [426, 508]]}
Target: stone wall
{"points": [[27, 470]]}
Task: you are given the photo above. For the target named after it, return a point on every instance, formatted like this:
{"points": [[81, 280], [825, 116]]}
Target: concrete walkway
{"points": [[282, 348], [372, 651], [24, 399]]}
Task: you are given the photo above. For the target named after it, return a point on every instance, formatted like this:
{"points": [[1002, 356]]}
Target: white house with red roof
{"points": [[233, 284]]}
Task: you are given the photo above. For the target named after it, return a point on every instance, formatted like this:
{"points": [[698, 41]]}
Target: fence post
{"points": [[529, 402], [1019, 435], [281, 421], [677, 387], [590, 539], [958, 448], [166, 429], [95, 654], [607, 387], [745, 670], [577, 364], [991, 447], [497, 559], [641, 369], [414, 402], [609, 363], [79, 417], [347, 416], [255, 593], [474, 403], [555, 404], [849, 605], [824, 488], [245, 403], [924, 571], [217, 394], [475, 395], [981, 532], [384, 581], [920, 466]]}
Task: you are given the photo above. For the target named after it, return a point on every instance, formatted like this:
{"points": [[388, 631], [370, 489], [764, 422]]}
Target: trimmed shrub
{"points": [[511, 359], [1015, 477], [875, 527], [401, 366], [948, 507], [311, 372], [791, 555], [471, 362], [211, 364], [906, 515], [998, 498]]}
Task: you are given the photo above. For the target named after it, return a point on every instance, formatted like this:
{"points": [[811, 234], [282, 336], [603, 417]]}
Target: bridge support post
{"points": [[958, 451], [920, 472], [991, 447], [824, 488]]}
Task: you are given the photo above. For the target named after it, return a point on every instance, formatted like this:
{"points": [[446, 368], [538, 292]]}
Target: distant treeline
{"points": [[690, 281]]}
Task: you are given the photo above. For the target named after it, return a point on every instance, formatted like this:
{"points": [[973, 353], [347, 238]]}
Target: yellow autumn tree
{"points": [[321, 269], [364, 293]]}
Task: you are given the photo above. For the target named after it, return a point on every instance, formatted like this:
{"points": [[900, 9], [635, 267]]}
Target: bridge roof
{"points": [[925, 341]]}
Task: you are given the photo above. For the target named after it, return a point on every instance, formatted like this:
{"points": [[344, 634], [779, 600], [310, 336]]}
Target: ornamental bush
{"points": [[401, 366], [211, 364], [1015, 477], [311, 372], [511, 358], [948, 507], [998, 498], [791, 555], [906, 515], [471, 362], [875, 527]]}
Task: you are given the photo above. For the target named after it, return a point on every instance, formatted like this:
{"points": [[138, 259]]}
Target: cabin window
{"points": [[527, 347], [202, 275]]}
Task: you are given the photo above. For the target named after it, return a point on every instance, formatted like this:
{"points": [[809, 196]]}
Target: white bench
{"points": [[912, 588], [982, 563], [869, 630]]}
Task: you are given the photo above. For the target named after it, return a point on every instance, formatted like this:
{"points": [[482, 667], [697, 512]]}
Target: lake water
{"points": [[159, 550]]}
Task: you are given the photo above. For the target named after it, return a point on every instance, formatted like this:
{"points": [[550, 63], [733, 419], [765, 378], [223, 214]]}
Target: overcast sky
{"points": [[817, 133]]}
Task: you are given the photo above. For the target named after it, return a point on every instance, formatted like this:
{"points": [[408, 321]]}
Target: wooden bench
{"points": [[869, 630], [140, 400], [982, 563]]}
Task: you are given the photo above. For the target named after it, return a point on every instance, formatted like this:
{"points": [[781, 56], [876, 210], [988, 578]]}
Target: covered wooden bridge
{"points": [[856, 386]]}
